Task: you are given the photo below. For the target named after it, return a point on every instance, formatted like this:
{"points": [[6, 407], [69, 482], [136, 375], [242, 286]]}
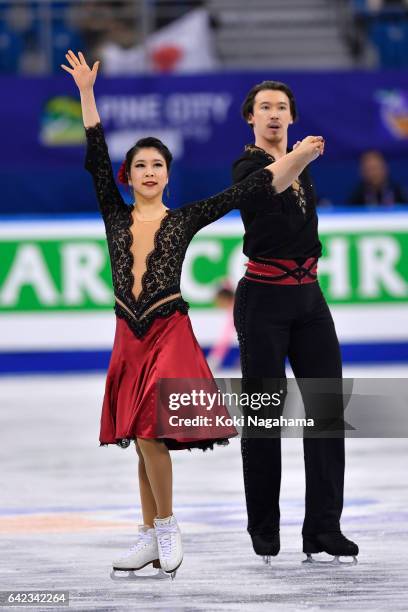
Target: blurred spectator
{"points": [[224, 299], [376, 188]]}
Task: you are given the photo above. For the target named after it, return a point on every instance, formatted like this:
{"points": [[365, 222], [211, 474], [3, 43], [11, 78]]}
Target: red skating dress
{"points": [[154, 340]]}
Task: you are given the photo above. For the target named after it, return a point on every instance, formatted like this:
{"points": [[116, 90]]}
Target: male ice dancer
{"points": [[280, 312]]}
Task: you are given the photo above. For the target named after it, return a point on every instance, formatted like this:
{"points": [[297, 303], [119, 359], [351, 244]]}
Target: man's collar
{"points": [[253, 148]]}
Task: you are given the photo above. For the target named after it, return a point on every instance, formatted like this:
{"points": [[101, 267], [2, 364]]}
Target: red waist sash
{"points": [[282, 271]]}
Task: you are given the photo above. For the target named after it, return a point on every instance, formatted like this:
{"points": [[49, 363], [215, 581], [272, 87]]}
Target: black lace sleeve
{"points": [[253, 193], [98, 163]]}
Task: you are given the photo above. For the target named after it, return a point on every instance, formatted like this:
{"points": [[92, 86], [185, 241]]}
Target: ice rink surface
{"points": [[68, 507]]}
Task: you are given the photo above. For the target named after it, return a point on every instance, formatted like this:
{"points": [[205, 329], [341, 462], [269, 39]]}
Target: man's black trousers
{"points": [[274, 322]]}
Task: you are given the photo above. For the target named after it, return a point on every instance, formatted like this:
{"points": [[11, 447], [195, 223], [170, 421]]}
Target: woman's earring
{"points": [[167, 191]]}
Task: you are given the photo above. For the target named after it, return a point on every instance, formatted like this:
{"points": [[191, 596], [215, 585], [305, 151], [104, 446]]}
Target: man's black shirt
{"points": [[286, 228]]}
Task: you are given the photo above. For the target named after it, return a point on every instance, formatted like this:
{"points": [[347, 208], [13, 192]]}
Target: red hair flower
{"points": [[122, 174]]}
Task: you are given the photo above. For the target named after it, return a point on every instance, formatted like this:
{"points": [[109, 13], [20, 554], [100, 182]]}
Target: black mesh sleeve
{"points": [[253, 193], [98, 163]]}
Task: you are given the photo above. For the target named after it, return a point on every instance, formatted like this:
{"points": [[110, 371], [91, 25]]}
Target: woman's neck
{"points": [[149, 209]]}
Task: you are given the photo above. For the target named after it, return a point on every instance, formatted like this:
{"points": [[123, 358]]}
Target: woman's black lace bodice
{"points": [[163, 266]]}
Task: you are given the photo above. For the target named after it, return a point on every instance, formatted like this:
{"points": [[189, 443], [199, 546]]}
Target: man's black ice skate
{"points": [[333, 543], [266, 545]]}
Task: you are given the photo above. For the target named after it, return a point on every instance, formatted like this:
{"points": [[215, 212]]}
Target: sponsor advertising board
{"points": [[56, 294]]}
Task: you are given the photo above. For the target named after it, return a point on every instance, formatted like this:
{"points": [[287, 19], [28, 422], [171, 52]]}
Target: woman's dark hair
{"points": [[248, 105], [144, 143]]}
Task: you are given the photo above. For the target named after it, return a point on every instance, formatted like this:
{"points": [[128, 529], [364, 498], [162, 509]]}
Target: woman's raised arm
{"points": [[97, 160], [84, 78]]}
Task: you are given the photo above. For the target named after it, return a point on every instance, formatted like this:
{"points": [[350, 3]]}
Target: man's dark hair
{"points": [[149, 142], [248, 105]]}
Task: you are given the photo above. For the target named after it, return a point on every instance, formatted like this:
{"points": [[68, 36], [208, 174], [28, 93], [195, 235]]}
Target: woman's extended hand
{"points": [[311, 147], [83, 76]]}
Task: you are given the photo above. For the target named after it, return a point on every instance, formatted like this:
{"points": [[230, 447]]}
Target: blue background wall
{"points": [[354, 111]]}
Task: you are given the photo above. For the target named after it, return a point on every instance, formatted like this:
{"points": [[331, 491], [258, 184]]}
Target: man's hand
{"points": [[83, 76]]}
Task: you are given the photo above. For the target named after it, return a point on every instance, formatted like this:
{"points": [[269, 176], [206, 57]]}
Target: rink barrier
{"points": [[56, 300], [57, 362]]}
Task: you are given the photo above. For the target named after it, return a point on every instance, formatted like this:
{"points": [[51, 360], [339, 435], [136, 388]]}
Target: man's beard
{"points": [[275, 139]]}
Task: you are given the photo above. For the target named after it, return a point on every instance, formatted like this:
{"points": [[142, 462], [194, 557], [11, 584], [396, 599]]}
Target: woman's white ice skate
{"points": [[169, 544], [141, 554]]}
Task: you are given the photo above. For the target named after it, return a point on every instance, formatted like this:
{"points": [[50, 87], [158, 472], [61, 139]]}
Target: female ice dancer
{"points": [[154, 339], [280, 312]]}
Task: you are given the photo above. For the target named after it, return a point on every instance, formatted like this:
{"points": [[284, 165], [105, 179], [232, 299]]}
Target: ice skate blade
{"points": [[131, 575], [335, 561], [267, 559], [172, 573]]}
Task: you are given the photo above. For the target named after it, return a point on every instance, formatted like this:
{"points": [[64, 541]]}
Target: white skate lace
{"points": [[165, 539], [143, 540]]}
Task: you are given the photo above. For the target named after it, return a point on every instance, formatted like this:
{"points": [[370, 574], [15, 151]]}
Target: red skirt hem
{"points": [[169, 350]]}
